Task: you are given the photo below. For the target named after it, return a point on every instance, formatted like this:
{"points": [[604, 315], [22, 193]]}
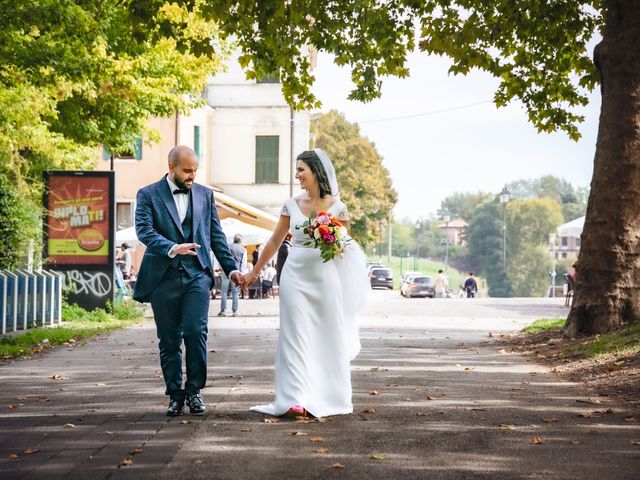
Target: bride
{"points": [[319, 302]]}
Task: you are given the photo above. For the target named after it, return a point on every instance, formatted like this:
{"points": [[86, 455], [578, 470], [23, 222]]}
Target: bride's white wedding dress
{"points": [[318, 335]]}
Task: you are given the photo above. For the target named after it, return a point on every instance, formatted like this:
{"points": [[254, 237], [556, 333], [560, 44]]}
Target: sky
{"points": [[435, 153]]}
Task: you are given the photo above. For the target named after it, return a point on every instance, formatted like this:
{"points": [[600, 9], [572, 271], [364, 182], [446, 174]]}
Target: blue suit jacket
{"points": [[158, 227]]}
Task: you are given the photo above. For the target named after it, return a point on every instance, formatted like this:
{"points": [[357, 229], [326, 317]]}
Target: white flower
{"points": [[341, 232], [316, 233]]}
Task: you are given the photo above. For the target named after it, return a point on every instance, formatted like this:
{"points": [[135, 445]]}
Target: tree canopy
{"points": [[78, 74], [365, 184]]}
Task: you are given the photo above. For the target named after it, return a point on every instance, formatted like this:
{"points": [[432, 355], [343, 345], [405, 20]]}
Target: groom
{"points": [[178, 222]]}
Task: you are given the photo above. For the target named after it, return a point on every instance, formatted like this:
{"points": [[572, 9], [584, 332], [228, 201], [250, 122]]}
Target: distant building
{"points": [[454, 231], [568, 235]]}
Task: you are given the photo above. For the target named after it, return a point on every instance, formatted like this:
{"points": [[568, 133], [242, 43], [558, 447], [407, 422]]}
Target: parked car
{"points": [[381, 277], [418, 286], [406, 275], [372, 265]]}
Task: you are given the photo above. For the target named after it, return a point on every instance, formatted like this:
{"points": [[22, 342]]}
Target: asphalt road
{"points": [[435, 395]]}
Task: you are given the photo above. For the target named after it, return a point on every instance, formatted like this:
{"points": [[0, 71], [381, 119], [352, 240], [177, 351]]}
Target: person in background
{"points": [[470, 286], [440, 285], [267, 279], [124, 261], [239, 254], [283, 252]]}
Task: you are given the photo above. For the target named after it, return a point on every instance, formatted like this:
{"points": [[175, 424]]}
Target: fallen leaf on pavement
{"points": [[574, 442], [126, 462], [337, 466], [536, 441], [43, 399], [21, 398], [369, 410], [431, 398], [270, 420], [198, 461], [630, 418], [12, 456], [55, 376], [506, 426], [185, 422], [549, 419], [135, 451], [107, 432], [69, 425], [391, 385], [634, 442], [322, 451], [299, 434], [469, 369], [12, 406], [374, 392], [31, 450], [317, 439], [380, 457]]}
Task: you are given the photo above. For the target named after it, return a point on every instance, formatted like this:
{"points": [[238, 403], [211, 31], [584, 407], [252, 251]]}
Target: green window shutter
{"points": [[106, 154], [196, 140], [267, 153], [137, 148]]}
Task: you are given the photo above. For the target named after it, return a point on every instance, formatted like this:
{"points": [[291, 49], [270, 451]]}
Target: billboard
{"points": [[79, 229]]}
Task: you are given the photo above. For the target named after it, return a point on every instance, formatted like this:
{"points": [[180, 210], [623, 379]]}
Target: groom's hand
{"points": [[185, 249], [236, 278]]}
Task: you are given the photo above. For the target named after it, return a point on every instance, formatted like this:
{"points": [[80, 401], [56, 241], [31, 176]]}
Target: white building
{"points": [[251, 154]]}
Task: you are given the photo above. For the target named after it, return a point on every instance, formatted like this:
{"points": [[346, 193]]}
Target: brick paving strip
{"points": [[435, 397]]}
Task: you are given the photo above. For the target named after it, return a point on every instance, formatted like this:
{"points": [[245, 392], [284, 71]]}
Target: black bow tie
{"points": [[178, 191]]}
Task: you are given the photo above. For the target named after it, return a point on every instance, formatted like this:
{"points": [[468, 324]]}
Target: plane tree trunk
{"points": [[607, 291]]}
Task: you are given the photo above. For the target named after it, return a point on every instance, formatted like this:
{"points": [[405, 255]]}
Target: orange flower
{"points": [[324, 230], [322, 212], [336, 222]]}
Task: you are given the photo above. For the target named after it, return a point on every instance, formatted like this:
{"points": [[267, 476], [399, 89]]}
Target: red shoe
{"points": [[297, 411]]}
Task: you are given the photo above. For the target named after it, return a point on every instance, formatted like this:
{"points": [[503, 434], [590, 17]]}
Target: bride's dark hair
{"points": [[311, 159]]}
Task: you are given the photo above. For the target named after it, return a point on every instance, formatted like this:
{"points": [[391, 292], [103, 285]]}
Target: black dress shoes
{"points": [[196, 404], [175, 407]]}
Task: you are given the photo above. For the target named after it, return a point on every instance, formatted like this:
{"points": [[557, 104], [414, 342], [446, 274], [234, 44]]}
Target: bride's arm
{"points": [[272, 245]]}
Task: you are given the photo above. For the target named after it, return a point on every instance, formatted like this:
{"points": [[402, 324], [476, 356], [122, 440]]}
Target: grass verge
{"points": [[545, 324], [77, 324]]}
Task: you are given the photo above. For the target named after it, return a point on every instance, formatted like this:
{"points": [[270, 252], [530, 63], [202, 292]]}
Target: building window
{"points": [[134, 154], [124, 215], [267, 153], [197, 140], [564, 254], [565, 241], [269, 79]]}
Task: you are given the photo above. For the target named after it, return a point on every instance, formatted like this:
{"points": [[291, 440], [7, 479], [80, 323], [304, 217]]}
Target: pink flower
{"points": [[323, 219], [329, 238]]}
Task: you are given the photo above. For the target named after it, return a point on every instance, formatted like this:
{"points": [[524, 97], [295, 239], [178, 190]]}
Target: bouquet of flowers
{"points": [[326, 233]]}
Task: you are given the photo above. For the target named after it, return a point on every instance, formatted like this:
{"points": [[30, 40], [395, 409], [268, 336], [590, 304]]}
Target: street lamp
{"points": [[415, 267], [552, 241], [447, 218], [504, 199]]}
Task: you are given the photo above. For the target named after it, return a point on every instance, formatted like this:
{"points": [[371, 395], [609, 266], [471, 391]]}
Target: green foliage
{"points": [[545, 324], [461, 205], [572, 200], [529, 271], [75, 75], [365, 184], [537, 50], [19, 221]]}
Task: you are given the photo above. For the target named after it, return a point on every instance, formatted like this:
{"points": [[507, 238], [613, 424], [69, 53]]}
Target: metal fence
{"points": [[29, 299]]}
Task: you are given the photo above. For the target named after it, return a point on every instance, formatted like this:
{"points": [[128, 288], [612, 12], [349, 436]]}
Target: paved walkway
{"points": [[435, 396]]}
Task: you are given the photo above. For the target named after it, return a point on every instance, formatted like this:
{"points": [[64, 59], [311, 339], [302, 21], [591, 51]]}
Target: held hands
{"points": [[248, 279], [186, 249], [236, 278]]}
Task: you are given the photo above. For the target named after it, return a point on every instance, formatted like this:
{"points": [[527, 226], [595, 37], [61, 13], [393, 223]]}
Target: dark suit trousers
{"points": [[180, 308]]}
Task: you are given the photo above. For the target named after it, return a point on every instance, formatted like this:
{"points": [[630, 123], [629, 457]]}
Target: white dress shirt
{"points": [[181, 200]]}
